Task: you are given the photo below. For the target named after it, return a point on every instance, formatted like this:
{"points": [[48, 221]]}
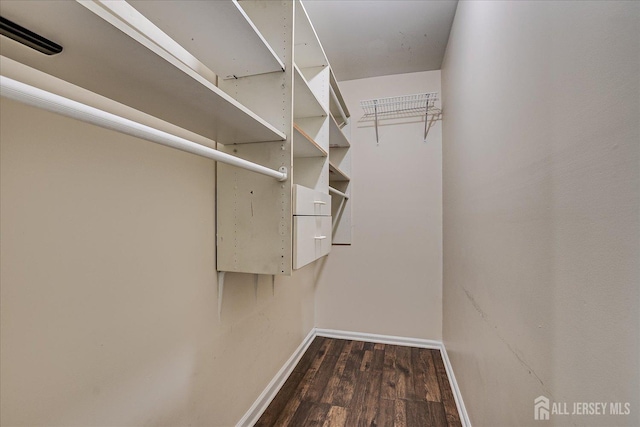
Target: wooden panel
{"points": [[343, 395], [389, 374], [277, 405], [386, 413], [426, 380], [321, 380], [312, 239], [337, 417], [351, 383], [450, 407], [333, 383]]}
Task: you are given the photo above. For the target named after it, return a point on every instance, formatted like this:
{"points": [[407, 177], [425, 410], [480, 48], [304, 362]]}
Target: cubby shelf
{"points": [[102, 58], [210, 25], [305, 146], [306, 103], [335, 174]]}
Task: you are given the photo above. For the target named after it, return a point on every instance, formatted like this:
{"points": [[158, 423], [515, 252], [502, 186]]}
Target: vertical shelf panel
{"points": [[255, 232]]}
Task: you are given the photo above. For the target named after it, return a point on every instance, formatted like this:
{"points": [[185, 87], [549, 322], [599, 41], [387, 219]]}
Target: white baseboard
{"points": [[265, 398], [382, 339], [274, 386], [462, 410]]}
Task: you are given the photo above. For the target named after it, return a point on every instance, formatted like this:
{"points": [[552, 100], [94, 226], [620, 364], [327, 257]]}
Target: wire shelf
{"points": [[419, 103]]}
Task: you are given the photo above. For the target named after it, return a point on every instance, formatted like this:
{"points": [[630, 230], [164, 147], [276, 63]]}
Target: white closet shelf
{"points": [[308, 51], [337, 138], [304, 145], [306, 104], [103, 59], [335, 174], [205, 29]]}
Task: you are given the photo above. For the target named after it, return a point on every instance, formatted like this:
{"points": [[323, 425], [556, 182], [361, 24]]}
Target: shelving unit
{"points": [[340, 161], [251, 76], [100, 57]]}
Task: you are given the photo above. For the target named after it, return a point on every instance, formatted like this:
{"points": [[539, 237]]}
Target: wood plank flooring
{"points": [[353, 383]]}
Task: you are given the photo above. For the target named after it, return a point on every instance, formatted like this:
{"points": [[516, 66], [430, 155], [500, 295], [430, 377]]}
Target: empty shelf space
{"points": [[335, 174], [308, 51], [101, 58], [337, 138], [304, 145], [305, 102], [218, 33]]}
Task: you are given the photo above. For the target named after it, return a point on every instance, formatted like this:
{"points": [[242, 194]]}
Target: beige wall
{"points": [[541, 208], [108, 285], [389, 281]]}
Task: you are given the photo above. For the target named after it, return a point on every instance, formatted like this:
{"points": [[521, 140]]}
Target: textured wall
{"points": [[541, 207], [109, 295]]}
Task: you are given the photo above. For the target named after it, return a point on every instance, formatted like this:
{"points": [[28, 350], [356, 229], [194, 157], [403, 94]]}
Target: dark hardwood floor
{"points": [[355, 383]]}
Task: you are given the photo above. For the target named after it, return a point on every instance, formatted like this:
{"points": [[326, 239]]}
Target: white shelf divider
{"points": [[306, 104]]}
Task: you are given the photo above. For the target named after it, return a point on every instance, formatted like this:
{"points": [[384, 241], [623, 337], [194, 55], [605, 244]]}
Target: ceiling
{"points": [[368, 38]]}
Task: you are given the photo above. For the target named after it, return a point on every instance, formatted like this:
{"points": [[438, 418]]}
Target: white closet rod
{"points": [[57, 104], [338, 193], [335, 99]]}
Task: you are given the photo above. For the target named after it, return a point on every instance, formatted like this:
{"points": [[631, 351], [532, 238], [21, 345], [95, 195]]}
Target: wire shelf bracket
{"points": [[402, 106]]}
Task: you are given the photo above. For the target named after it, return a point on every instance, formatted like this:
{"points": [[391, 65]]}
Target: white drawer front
{"points": [[311, 239], [310, 202]]}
